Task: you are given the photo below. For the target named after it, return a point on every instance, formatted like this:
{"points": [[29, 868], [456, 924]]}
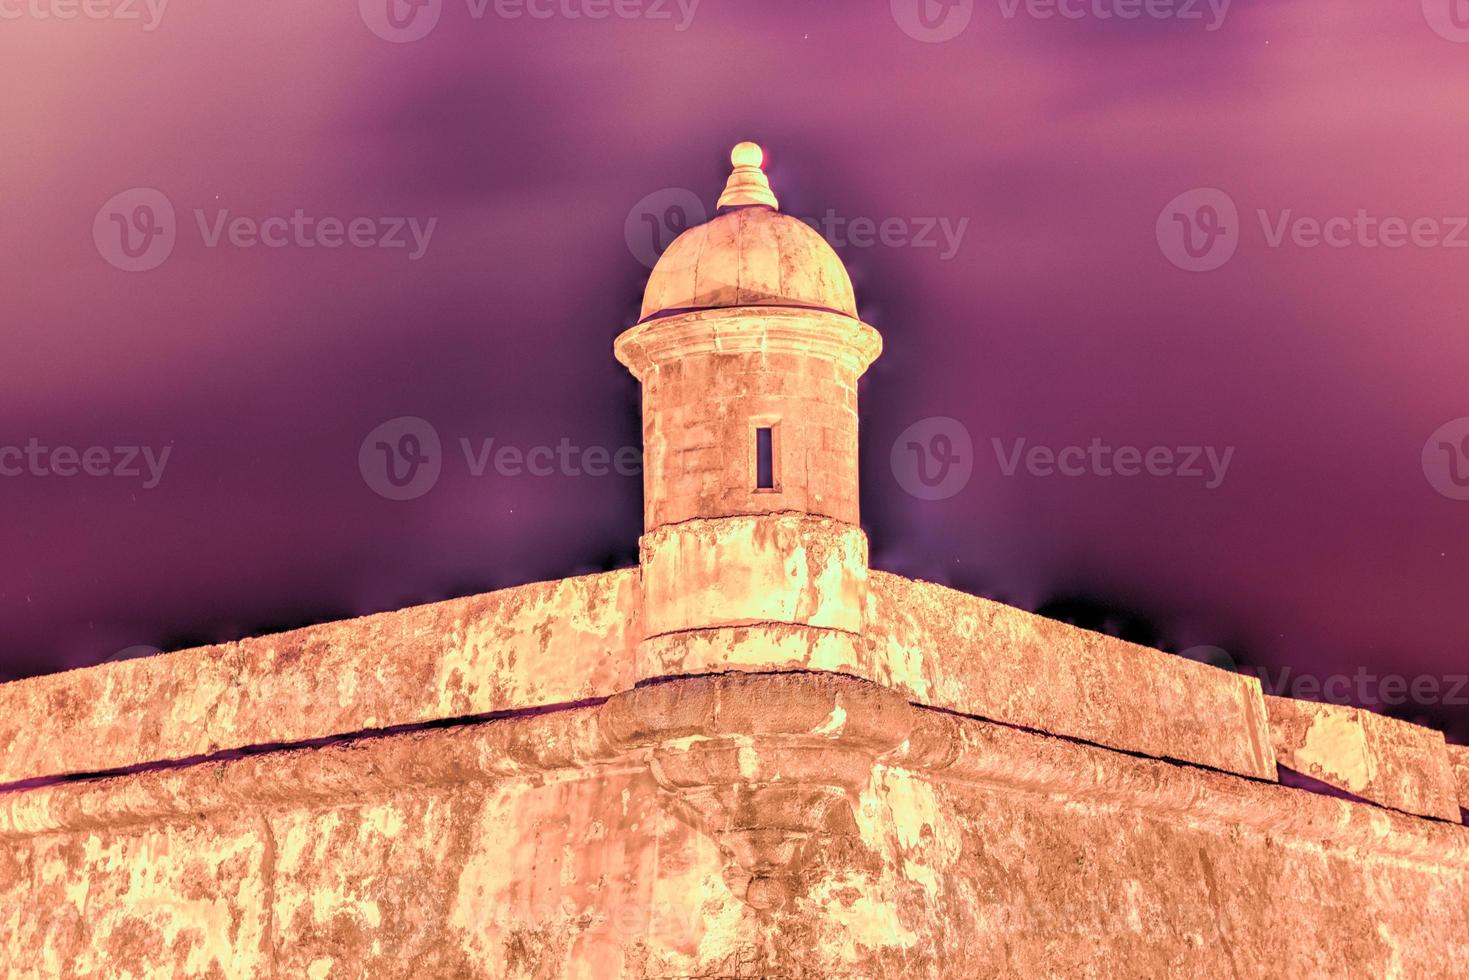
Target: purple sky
{"points": [[1059, 317]]}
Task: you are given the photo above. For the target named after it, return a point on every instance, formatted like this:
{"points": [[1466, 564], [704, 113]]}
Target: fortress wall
{"points": [[541, 644], [983, 658], [546, 846], [579, 639]]}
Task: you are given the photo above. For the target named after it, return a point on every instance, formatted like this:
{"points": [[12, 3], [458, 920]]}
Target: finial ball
{"points": [[747, 154]]}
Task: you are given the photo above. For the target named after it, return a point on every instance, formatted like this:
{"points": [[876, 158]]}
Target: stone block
{"points": [[542, 644], [963, 653], [1459, 759], [1381, 759], [736, 571]]}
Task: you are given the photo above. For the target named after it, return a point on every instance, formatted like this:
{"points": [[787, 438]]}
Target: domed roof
{"points": [[750, 255]]}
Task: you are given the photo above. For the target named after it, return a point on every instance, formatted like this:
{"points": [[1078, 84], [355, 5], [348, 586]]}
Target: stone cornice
{"points": [[749, 329]]}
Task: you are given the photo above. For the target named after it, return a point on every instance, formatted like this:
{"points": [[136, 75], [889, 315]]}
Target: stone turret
{"points": [[748, 349]]}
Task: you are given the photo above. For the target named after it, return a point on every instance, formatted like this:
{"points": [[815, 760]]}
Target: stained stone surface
{"points": [[752, 256], [1459, 759], [987, 659], [1380, 759], [542, 644], [556, 845], [576, 639]]}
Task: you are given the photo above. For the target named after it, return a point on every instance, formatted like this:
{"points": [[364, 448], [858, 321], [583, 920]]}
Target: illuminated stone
{"points": [[750, 756]]}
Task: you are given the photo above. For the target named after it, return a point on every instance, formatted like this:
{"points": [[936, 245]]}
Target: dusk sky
{"points": [[1231, 237]]}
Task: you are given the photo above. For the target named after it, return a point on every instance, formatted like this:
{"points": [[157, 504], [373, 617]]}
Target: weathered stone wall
{"points": [[542, 644], [700, 415], [525, 784], [711, 377], [738, 571], [983, 658], [581, 843]]}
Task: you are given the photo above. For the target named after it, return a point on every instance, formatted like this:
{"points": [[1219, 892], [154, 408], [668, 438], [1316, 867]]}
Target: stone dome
{"points": [[750, 255]]}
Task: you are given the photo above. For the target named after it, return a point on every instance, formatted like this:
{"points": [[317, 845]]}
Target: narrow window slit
{"points": [[764, 459]]}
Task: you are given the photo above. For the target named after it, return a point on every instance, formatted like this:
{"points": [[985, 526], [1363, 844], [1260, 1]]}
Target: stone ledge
{"points": [[958, 651], [545, 643], [577, 639], [1381, 759], [793, 709], [839, 338]]}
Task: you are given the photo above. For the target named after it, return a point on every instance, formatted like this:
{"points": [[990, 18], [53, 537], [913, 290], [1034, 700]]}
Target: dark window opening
{"points": [[764, 459]]}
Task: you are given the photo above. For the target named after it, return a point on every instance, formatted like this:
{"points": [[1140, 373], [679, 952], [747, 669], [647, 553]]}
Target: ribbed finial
{"points": [[748, 184]]}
